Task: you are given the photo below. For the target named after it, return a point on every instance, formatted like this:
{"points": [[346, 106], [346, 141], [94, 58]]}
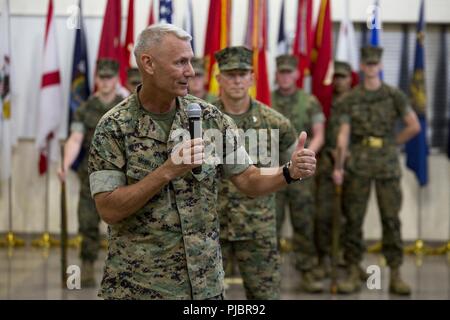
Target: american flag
{"points": [[165, 11]]}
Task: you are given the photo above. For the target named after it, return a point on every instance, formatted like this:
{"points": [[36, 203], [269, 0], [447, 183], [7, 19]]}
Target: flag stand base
{"points": [[375, 248], [75, 242], [45, 241], [445, 248], [11, 240], [418, 248]]}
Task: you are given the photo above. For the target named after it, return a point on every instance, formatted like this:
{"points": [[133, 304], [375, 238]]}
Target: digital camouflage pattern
{"points": [[85, 120], [169, 249], [107, 68], [235, 58], [198, 64], [134, 76], [301, 108], [326, 189], [248, 225], [342, 68], [259, 266], [242, 217], [371, 54], [373, 114], [304, 111], [286, 62], [208, 97]]}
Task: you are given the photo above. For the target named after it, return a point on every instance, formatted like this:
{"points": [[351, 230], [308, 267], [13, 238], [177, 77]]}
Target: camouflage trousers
{"points": [[88, 225], [300, 199], [259, 264], [325, 208], [389, 198]]}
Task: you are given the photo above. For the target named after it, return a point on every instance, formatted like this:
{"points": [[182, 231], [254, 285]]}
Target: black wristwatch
{"points": [[287, 175]]}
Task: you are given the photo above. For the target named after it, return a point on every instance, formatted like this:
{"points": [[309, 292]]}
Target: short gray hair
{"points": [[154, 34]]}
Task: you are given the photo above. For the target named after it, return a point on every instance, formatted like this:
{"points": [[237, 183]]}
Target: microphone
{"points": [[194, 113]]}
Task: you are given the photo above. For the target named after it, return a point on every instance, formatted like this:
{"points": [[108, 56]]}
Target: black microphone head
{"points": [[194, 110]]}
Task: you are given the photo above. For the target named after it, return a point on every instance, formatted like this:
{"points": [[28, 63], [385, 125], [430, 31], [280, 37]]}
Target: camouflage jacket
{"points": [[302, 109], [326, 161], [85, 120], [242, 217], [373, 114], [168, 249]]}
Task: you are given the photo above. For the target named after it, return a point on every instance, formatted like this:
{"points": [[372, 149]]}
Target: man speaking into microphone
{"points": [[163, 226]]}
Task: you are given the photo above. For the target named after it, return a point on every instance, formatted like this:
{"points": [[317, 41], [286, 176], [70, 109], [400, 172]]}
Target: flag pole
{"points": [[45, 240], [11, 239], [445, 248]]}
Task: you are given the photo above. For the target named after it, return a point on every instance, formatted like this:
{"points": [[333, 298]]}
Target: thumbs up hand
{"points": [[303, 161]]}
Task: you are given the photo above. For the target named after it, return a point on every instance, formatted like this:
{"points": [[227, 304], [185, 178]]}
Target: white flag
{"points": [[347, 49], [6, 134], [50, 103]]}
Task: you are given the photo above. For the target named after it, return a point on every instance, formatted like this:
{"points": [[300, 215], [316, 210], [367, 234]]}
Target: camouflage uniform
{"points": [[373, 157], [248, 225], [199, 68], [168, 249], [134, 76], [85, 120], [304, 111], [325, 186]]}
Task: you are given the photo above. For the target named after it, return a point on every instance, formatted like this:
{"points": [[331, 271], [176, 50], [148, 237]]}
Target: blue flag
{"points": [[417, 148], [374, 39], [165, 11], [79, 88], [282, 42]]}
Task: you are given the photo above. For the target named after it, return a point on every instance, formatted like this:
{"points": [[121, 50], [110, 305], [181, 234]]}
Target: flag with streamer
{"points": [[217, 38], [417, 148]]}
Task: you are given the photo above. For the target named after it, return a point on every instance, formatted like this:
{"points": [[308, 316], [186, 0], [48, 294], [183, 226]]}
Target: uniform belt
{"points": [[372, 142]]}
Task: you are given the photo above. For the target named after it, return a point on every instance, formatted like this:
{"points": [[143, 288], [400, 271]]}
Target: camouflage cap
{"points": [[342, 68], [286, 62], [199, 65], [235, 58], [371, 54], [107, 68], [134, 76]]}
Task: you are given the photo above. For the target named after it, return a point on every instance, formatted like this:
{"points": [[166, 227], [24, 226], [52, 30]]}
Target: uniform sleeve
{"points": [[288, 140], [236, 159], [106, 158], [288, 135], [402, 104], [343, 114], [315, 109], [77, 124]]}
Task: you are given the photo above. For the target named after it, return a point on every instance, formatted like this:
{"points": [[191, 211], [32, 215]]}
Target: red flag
{"points": [[128, 45], [303, 39], [50, 102], [217, 38], [257, 41], [111, 30], [322, 59], [151, 16]]}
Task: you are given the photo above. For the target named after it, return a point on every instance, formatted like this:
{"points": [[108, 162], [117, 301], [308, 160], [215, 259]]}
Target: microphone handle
{"points": [[196, 132]]}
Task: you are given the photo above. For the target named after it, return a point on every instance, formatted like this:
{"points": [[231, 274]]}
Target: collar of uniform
{"points": [[283, 100], [147, 127], [252, 111]]}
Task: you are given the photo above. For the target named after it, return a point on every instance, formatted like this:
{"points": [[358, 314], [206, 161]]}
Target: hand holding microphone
{"points": [[194, 112]]}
